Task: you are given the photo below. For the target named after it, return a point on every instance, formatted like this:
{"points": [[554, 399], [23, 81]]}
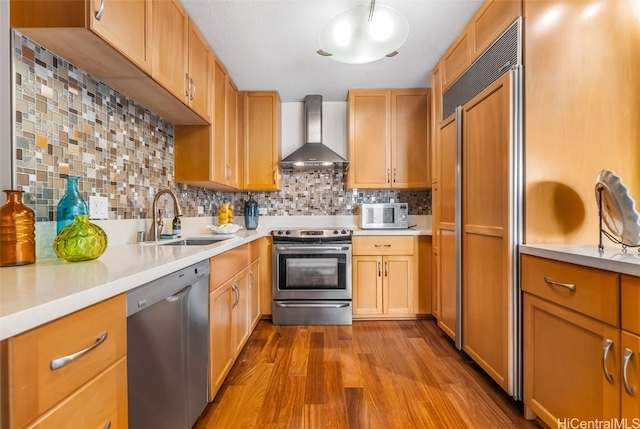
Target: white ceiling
{"points": [[272, 44]]}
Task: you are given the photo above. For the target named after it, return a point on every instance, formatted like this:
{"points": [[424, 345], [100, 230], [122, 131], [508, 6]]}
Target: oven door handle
{"points": [[310, 305], [316, 248]]}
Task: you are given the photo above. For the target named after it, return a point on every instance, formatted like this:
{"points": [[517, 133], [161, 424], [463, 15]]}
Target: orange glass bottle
{"points": [[17, 231]]}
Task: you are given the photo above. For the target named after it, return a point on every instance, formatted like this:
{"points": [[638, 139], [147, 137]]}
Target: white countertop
{"points": [[611, 259], [32, 295]]}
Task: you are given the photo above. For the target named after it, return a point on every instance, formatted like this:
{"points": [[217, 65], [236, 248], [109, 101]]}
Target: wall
{"points": [[69, 123], [582, 80]]}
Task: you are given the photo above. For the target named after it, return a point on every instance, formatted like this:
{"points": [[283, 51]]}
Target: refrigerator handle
{"points": [[458, 227]]}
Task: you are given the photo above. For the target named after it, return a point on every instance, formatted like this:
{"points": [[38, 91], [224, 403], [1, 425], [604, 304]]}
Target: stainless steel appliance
{"points": [[168, 349], [383, 215], [479, 224], [312, 277]]}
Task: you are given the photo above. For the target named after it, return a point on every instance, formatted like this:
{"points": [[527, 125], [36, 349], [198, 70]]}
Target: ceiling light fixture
{"points": [[363, 34]]}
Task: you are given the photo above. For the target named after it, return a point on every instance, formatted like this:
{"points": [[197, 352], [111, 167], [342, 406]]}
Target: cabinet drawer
{"points": [[383, 245], [34, 385], [630, 302], [227, 265], [101, 403], [595, 292]]}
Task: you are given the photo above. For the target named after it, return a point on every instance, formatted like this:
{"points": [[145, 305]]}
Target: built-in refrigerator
{"points": [[478, 218]]}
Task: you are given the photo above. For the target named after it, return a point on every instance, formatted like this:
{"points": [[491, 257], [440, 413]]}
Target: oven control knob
{"points": [[343, 232], [280, 232], [288, 232], [335, 231]]}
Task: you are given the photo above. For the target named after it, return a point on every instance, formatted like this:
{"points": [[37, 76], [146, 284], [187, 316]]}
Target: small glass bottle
{"points": [[70, 205], [17, 231], [176, 227], [251, 212]]}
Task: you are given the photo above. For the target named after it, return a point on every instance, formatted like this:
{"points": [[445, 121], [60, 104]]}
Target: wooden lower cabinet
{"points": [[40, 396], [630, 393], [565, 359], [384, 276], [234, 308]]}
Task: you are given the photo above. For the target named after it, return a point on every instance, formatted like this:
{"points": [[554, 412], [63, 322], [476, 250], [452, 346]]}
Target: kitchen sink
{"points": [[195, 241]]}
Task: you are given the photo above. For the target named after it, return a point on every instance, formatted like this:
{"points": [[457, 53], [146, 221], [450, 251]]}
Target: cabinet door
{"points": [[369, 139], [199, 74], [254, 290], [444, 209], [436, 118], [219, 162], [221, 350], [486, 243], [565, 359], [241, 322], [125, 25], [170, 34], [630, 347], [231, 106], [261, 140], [410, 151], [397, 296], [367, 284]]}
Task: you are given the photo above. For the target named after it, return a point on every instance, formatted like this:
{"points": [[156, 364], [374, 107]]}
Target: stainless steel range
{"points": [[312, 277]]}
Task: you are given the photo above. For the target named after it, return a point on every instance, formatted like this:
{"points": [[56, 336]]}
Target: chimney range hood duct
{"points": [[313, 154]]}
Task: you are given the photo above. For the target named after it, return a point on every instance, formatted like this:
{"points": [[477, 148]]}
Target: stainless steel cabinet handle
{"points": [[628, 353], [607, 346], [251, 283], [57, 363], [388, 175], [379, 269], [186, 91], [386, 269], [314, 248], [193, 88], [107, 425], [555, 283], [395, 175], [310, 305], [383, 245], [100, 10], [274, 176]]}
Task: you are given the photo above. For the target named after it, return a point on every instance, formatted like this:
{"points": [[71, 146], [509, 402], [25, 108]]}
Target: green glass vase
{"points": [[80, 241]]}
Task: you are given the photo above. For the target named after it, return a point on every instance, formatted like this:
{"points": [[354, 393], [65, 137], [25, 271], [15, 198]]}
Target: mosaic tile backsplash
{"points": [[68, 123]]}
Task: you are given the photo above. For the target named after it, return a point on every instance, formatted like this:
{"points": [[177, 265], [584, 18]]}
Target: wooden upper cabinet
{"points": [[489, 22], [111, 40], [456, 59], [369, 139], [181, 60], [199, 89], [410, 150], [389, 138], [261, 137], [170, 49], [486, 25]]}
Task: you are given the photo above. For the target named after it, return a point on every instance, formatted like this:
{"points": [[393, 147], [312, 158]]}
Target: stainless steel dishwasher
{"points": [[168, 349]]}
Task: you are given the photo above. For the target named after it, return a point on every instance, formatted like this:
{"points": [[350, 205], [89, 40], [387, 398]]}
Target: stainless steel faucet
{"points": [[155, 236]]}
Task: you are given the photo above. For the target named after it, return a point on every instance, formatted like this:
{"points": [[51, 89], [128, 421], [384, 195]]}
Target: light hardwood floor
{"points": [[374, 374]]}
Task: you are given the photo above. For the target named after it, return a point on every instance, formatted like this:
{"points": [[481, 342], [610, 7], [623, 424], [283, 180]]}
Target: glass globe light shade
{"points": [[350, 37]]}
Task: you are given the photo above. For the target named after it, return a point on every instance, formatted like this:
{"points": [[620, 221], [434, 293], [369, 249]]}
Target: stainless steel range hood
{"points": [[313, 154]]}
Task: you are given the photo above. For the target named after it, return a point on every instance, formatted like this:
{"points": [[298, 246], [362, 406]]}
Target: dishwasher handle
{"points": [[179, 295]]}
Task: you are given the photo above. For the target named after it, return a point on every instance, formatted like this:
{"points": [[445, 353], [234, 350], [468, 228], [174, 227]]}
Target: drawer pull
{"points": [[607, 346], [100, 10], [555, 283], [107, 425], [628, 353], [383, 245], [57, 363]]}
